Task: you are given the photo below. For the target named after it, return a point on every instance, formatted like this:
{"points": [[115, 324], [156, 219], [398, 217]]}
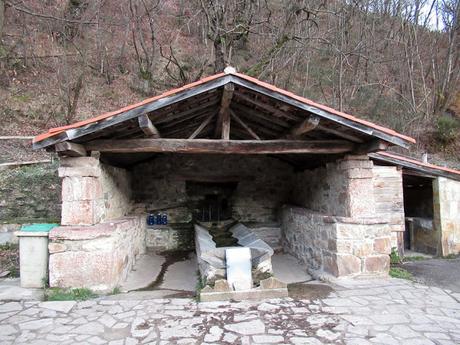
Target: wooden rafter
{"points": [[221, 146], [244, 125], [307, 125], [263, 105], [148, 127], [201, 127], [223, 118], [371, 146], [340, 134]]}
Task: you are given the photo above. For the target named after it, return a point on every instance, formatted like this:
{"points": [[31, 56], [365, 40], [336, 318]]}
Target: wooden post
{"points": [[223, 118]]}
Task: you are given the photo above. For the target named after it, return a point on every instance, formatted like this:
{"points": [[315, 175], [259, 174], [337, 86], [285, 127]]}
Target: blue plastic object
{"points": [[39, 227]]}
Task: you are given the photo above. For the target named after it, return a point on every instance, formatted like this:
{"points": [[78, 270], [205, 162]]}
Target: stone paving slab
{"points": [[383, 311]]}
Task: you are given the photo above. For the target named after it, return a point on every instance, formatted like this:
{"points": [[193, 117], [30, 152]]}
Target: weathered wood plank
{"points": [[70, 149], [244, 125], [372, 146], [201, 127], [273, 110], [307, 125], [340, 134], [147, 127], [223, 118], [221, 146]]}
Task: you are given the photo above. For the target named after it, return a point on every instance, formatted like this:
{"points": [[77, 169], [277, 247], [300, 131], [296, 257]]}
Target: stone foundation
{"points": [[98, 257], [339, 246]]}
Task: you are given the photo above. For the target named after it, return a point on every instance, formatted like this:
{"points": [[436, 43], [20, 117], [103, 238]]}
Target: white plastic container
{"points": [[33, 258], [239, 268]]}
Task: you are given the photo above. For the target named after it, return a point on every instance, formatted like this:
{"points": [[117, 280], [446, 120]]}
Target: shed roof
{"points": [[269, 110], [412, 165]]}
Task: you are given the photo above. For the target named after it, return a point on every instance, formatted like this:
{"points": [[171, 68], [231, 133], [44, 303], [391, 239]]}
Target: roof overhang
{"points": [[412, 166]]}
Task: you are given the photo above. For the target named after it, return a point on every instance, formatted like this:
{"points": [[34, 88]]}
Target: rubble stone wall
{"points": [[337, 229], [93, 192], [263, 185], [98, 257], [446, 195]]}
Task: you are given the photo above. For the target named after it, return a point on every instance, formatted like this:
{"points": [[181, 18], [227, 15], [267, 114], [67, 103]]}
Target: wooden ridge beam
{"points": [[244, 125], [66, 148], [221, 146], [223, 118], [147, 127], [307, 125]]}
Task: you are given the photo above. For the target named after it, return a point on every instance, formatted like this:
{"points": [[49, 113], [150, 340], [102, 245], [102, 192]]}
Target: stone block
{"points": [[56, 247], [382, 245], [78, 213], [84, 269], [377, 263], [221, 285], [362, 248], [347, 264], [81, 188], [272, 283]]}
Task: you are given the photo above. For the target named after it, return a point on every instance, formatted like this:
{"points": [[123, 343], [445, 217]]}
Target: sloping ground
{"points": [[13, 150]]}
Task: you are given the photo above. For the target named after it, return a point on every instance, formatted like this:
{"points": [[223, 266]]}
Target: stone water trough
{"points": [[213, 268]]}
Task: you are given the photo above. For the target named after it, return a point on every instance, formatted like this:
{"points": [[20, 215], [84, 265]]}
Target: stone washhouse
{"points": [[304, 178]]}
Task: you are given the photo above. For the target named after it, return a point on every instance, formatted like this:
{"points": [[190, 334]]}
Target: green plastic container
{"points": [[39, 227]]}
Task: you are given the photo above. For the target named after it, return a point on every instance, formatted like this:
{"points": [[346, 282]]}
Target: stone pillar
{"points": [[446, 204], [82, 193], [359, 188]]}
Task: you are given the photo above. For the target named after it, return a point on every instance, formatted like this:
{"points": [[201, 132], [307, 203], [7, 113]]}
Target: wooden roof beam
{"points": [[201, 127], [244, 125], [372, 146], [222, 146], [148, 127], [307, 125], [223, 118], [66, 148]]}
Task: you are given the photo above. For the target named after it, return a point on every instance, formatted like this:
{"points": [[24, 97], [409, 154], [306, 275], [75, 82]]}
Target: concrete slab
{"points": [[182, 275], [11, 290], [287, 269], [146, 270]]}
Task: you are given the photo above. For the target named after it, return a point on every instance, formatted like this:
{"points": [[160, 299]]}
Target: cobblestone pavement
{"points": [[359, 312]]}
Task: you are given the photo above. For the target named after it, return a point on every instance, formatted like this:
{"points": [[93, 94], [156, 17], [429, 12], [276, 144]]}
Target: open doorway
{"points": [[420, 235]]}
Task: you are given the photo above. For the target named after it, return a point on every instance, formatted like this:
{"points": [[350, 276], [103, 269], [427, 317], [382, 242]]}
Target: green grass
{"points": [[77, 294], [450, 256], [415, 258], [401, 273]]}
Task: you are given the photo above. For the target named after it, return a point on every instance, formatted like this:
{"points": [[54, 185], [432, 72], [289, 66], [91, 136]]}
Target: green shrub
{"points": [[77, 294], [394, 256], [447, 130], [401, 273]]}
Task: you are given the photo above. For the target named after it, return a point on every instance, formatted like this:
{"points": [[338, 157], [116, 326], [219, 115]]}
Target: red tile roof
{"points": [[417, 162], [54, 131]]}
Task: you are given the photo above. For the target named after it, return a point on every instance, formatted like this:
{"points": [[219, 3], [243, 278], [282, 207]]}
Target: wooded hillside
{"points": [[395, 62]]}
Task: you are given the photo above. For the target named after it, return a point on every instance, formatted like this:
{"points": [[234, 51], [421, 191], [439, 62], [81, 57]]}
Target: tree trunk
{"points": [[219, 56], [2, 18]]}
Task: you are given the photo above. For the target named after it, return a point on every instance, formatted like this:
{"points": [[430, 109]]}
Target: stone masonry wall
{"points": [[263, 185], [341, 188], [336, 230], [98, 257], [93, 192], [339, 246], [389, 199], [446, 195]]}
